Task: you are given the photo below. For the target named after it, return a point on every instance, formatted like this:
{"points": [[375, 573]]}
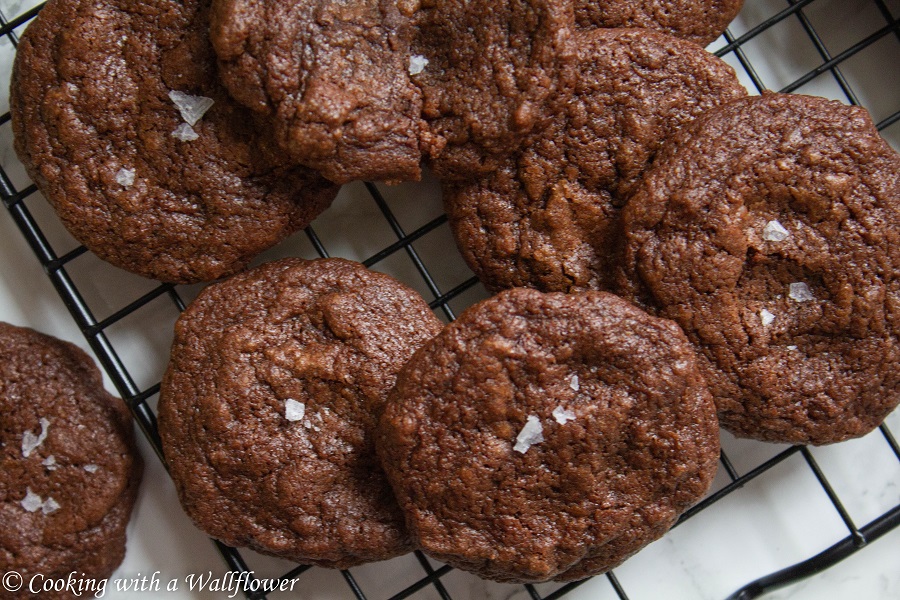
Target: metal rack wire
{"points": [[831, 69]]}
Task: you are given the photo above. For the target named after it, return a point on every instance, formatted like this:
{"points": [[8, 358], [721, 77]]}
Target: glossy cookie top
{"points": [[107, 104], [268, 404], [548, 436], [70, 469]]}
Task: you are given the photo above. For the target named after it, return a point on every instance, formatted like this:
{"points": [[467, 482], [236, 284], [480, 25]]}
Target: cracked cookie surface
{"points": [[332, 78], [493, 66], [549, 217], [700, 21]]}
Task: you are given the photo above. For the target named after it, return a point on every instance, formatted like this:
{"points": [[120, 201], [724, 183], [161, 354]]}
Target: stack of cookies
{"points": [[668, 254]]}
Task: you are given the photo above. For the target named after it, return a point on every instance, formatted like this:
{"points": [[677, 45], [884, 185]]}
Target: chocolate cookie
{"points": [[770, 230], [267, 408], [549, 218], [701, 21], [332, 76], [107, 104], [489, 68], [548, 436], [70, 469]]}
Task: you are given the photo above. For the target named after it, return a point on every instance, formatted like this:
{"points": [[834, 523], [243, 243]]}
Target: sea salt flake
{"points": [[185, 133], [574, 384], [91, 468], [532, 433], [799, 292], [417, 64], [125, 177], [792, 347], [31, 502], [775, 232], [293, 410], [766, 317], [30, 441], [50, 505], [563, 415], [192, 108], [50, 463]]}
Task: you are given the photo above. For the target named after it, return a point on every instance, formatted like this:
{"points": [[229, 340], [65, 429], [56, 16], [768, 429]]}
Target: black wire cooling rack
{"points": [[824, 55]]}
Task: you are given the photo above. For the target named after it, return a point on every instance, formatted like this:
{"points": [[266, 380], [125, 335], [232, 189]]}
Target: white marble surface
{"points": [[779, 519]]}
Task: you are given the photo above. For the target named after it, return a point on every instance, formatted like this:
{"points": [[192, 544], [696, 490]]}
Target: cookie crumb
{"points": [[766, 317], [775, 232], [185, 133], [50, 505], [417, 64], [293, 410], [125, 177], [30, 441], [799, 292], [50, 463], [531, 434], [31, 502], [563, 415], [574, 384], [91, 468], [192, 108]]}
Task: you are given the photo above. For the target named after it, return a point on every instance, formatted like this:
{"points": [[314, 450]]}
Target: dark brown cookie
{"points": [[97, 127], [549, 218], [770, 230], [701, 21], [70, 469], [332, 76], [492, 67], [548, 436], [267, 408]]}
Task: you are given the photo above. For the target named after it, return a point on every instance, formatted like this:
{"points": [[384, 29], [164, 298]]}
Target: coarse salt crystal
{"points": [[125, 177], [574, 383], [562, 415], [293, 410], [30, 441], [792, 347], [192, 108], [417, 64], [799, 292], [91, 468], [531, 434], [49, 462], [50, 505], [766, 317], [31, 502], [775, 232], [185, 133]]}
